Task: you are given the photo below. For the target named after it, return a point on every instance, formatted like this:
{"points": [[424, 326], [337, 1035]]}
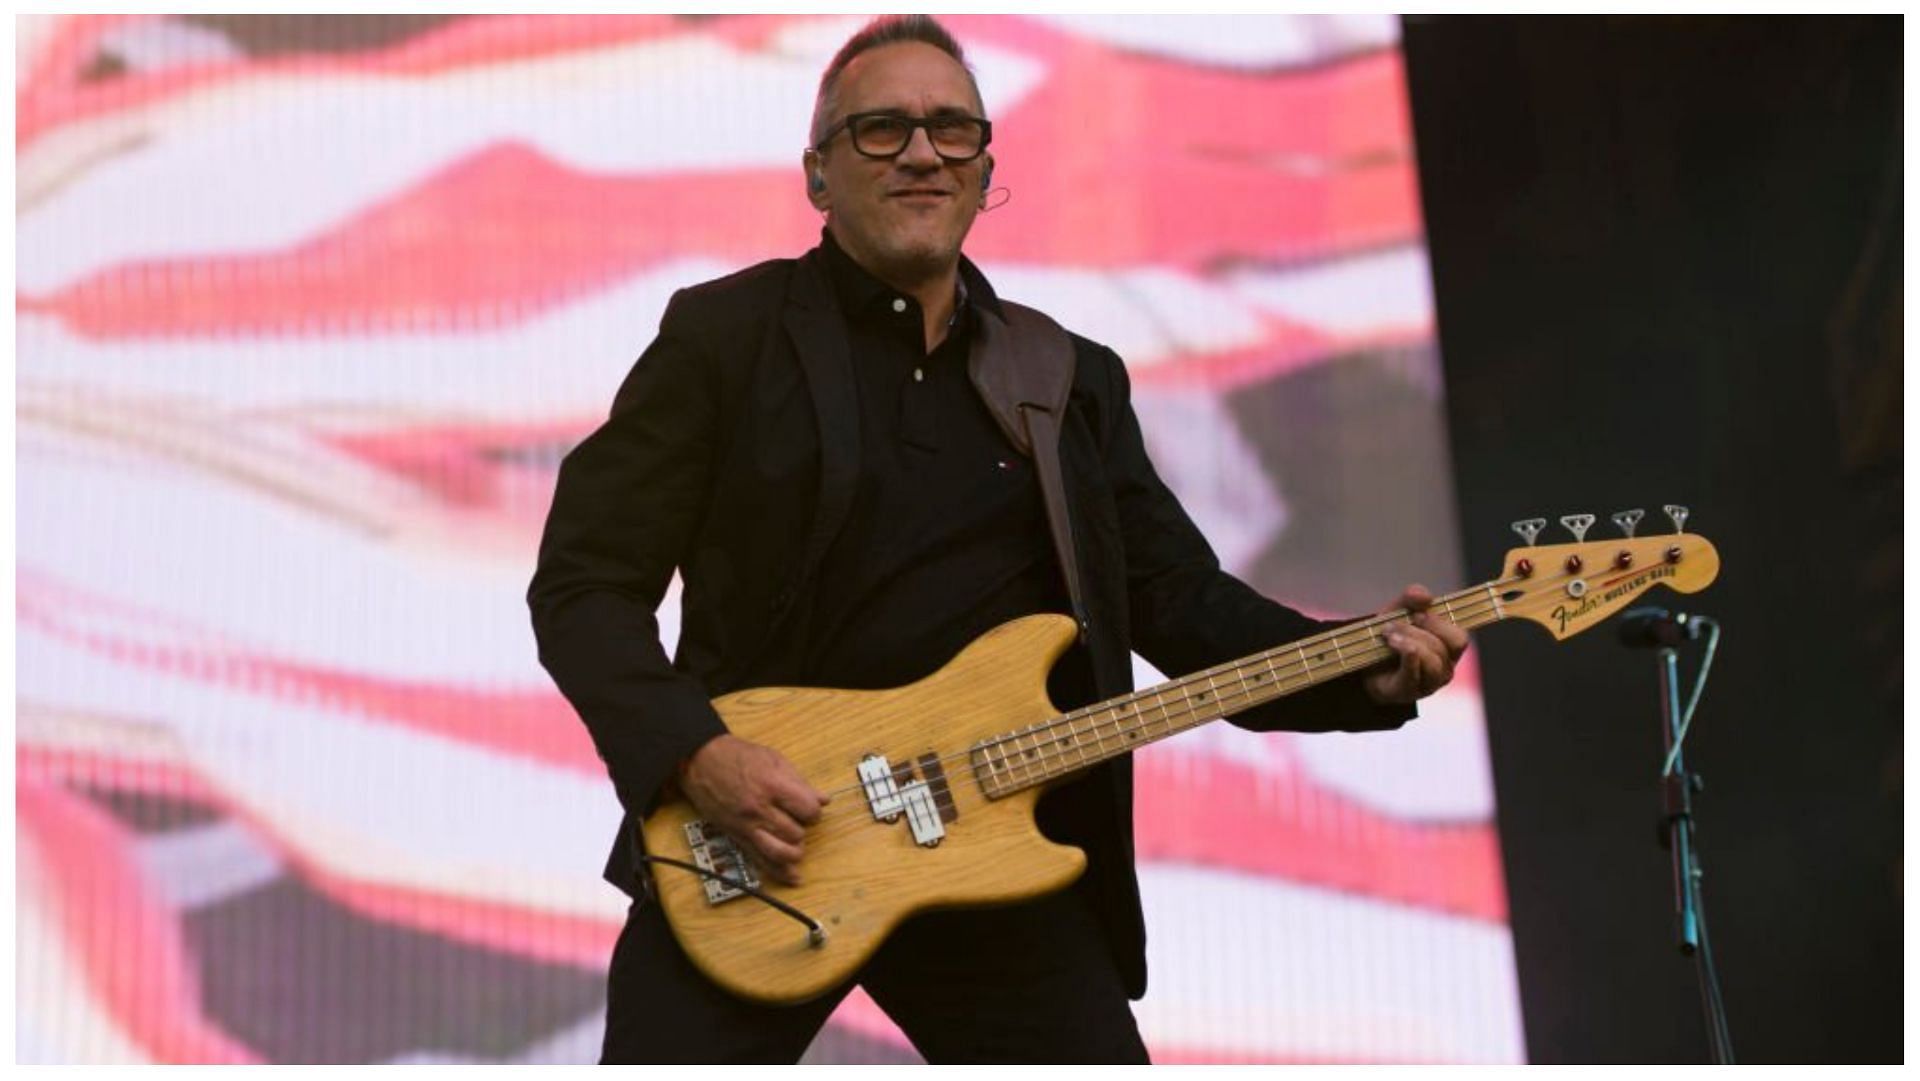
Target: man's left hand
{"points": [[1428, 646]]}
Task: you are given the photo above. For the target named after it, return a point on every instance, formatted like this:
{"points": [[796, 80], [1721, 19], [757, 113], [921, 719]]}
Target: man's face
{"points": [[903, 217]]}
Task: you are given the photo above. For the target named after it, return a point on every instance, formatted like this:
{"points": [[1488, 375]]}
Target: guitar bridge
{"points": [[715, 851]]}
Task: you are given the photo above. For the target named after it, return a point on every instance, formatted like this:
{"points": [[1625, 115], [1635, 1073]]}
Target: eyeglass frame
{"points": [[913, 124]]}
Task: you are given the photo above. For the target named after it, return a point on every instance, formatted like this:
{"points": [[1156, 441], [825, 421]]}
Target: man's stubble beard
{"points": [[915, 259]]}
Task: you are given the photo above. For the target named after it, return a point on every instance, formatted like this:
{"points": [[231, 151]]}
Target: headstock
{"points": [[1568, 588]]}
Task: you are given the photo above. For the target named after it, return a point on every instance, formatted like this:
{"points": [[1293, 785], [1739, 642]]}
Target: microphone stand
{"points": [[1678, 785]]}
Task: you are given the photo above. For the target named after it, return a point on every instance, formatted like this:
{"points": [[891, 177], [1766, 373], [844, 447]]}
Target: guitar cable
{"points": [[816, 934], [1693, 700]]}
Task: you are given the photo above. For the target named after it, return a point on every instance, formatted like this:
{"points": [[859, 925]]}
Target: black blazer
{"points": [[731, 454]]}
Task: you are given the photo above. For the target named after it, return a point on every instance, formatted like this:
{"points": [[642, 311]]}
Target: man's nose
{"points": [[919, 151]]}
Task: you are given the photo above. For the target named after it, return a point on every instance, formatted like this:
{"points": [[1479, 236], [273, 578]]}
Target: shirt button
{"points": [[899, 305], [918, 375]]}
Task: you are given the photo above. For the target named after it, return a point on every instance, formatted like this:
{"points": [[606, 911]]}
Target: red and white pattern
{"points": [[309, 308]]}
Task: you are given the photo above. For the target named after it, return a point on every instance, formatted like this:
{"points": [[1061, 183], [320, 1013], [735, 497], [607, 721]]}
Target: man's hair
{"points": [[885, 30]]}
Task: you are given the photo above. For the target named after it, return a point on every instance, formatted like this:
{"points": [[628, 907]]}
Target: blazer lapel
{"points": [[819, 336]]}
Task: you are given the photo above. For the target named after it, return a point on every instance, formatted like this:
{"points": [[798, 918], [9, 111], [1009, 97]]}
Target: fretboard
{"points": [[1071, 742]]}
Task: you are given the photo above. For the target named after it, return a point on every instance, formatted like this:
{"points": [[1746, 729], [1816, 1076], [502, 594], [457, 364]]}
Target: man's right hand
{"points": [[757, 797]]}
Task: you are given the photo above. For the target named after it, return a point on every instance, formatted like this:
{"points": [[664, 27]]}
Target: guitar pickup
{"points": [[883, 794], [893, 791], [923, 814]]}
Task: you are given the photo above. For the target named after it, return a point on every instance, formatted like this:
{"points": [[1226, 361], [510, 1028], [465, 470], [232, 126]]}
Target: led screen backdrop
{"points": [[309, 310]]}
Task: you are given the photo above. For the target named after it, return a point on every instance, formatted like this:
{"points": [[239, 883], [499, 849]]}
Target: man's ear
{"points": [[816, 179]]}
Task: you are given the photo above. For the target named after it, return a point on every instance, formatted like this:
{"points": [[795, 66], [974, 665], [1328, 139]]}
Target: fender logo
{"points": [[1589, 604], [1567, 615]]}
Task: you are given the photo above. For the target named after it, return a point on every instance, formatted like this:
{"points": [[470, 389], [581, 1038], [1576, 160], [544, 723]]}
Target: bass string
{"points": [[1350, 656], [1046, 761], [1467, 607], [839, 820], [1470, 608]]}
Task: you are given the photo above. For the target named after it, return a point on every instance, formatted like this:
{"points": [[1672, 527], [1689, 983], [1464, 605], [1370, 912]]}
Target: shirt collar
{"points": [[860, 293]]}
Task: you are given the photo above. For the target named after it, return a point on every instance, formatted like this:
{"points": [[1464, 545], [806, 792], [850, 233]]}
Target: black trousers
{"points": [[1026, 983]]}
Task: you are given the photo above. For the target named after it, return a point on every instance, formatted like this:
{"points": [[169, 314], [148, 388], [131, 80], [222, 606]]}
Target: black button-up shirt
{"points": [[947, 535]]}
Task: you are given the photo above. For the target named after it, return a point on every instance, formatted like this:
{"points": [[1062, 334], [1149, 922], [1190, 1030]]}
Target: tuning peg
{"points": [[1679, 515], [1627, 519], [1529, 529], [1578, 524]]}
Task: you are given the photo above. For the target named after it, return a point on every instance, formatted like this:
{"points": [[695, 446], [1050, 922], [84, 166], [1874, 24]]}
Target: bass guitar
{"points": [[934, 783]]}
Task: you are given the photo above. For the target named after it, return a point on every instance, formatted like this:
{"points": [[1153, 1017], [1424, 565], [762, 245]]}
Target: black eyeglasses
{"points": [[957, 138]]}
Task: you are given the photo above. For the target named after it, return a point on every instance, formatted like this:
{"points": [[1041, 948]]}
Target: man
{"points": [[803, 444]]}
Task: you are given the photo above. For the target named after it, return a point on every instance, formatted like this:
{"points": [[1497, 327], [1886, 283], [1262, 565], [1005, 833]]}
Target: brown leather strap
{"points": [[1022, 366], [1046, 442]]}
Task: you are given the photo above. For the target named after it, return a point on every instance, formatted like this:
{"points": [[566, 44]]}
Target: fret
{"points": [[1353, 656], [1251, 685], [1045, 743], [1165, 696], [1155, 698], [1177, 724], [1236, 686], [1073, 737], [1496, 601], [1097, 727], [1262, 678], [1097, 721], [993, 768], [1029, 755], [1166, 718], [1118, 719], [1125, 719], [1339, 656], [1022, 758], [1189, 709], [1052, 755], [1212, 689], [1093, 733], [1306, 666], [1236, 689]]}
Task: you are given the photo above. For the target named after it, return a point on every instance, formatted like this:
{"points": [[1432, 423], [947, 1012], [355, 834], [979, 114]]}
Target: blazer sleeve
{"points": [[1187, 614], [625, 508]]}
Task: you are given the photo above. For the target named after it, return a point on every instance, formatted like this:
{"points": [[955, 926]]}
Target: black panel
{"points": [[150, 812], [300, 979], [1369, 506], [270, 35], [1666, 257]]}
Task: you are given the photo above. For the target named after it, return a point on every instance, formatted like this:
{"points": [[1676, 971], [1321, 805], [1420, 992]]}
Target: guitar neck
{"points": [[1059, 746]]}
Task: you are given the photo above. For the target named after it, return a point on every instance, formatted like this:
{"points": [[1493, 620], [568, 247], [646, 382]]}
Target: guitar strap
{"points": [[1022, 367]]}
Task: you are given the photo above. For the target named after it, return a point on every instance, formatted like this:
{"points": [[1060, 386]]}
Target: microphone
{"points": [[1657, 628]]}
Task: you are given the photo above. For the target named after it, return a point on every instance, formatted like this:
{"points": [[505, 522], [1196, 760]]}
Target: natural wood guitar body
{"points": [[861, 877]]}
